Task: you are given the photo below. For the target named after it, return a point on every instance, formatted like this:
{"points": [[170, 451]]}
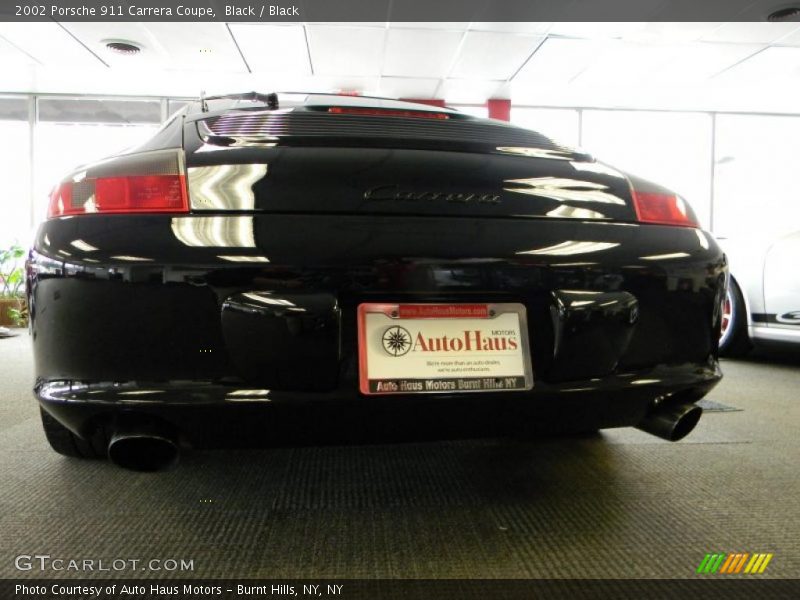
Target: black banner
{"points": [[727, 587], [385, 10]]}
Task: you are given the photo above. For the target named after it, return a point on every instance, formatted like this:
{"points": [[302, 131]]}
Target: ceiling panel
{"points": [[774, 65], [273, 48], [365, 86], [408, 87], [436, 25], [792, 39], [11, 56], [624, 63], [522, 27], [346, 50], [755, 33], [49, 44], [486, 55], [559, 60], [696, 63], [420, 52], [198, 46], [671, 32], [595, 30], [468, 91]]}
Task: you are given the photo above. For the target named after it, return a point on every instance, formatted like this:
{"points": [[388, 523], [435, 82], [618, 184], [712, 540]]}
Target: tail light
{"points": [[387, 112], [663, 209], [150, 182]]}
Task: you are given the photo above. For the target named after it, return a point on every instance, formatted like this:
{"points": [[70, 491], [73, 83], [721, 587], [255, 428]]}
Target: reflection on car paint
{"points": [[225, 187], [215, 232], [563, 189]]}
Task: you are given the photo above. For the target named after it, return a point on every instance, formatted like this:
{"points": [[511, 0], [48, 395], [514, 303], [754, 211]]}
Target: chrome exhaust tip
{"points": [[143, 446], [671, 422]]}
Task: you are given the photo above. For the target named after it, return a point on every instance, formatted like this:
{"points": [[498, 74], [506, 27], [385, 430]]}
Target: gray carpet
{"points": [[712, 406], [619, 504]]}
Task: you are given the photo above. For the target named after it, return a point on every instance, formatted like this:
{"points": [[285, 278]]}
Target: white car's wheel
{"points": [[733, 337]]}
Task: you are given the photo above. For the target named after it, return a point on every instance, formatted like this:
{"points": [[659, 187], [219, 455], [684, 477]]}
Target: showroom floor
{"points": [[620, 504]]}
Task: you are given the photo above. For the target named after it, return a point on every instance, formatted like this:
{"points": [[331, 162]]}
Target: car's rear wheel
{"points": [[734, 340], [63, 441]]}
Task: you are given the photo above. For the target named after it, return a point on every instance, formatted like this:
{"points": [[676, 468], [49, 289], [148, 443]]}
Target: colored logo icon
{"points": [[734, 563]]}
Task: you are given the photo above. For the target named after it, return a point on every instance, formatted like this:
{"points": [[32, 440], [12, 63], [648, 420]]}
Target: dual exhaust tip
{"points": [[149, 445]]}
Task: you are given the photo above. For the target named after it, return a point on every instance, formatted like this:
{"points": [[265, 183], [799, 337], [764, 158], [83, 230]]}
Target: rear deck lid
{"points": [[378, 160]]}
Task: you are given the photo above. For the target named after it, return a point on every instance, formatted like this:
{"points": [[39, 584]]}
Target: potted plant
{"points": [[13, 308]]}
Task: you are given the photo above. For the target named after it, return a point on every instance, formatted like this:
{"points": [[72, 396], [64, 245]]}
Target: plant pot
{"points": [[5, 304]]}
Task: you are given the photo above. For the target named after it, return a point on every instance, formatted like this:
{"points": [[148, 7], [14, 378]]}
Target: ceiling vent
{"points": [[122, 47], [788, 13]]}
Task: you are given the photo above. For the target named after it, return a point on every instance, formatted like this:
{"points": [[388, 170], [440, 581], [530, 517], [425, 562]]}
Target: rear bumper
{"points": [[152, 317], [209, 414]]}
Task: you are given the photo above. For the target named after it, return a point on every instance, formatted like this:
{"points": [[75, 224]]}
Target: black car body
{"points": [[212, 277]]}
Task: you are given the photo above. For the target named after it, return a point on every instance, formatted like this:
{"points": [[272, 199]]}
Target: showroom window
{"points": [[174, 106], [562, 125], [73, 132], [756, 183], [15, 158], [671, 149]]}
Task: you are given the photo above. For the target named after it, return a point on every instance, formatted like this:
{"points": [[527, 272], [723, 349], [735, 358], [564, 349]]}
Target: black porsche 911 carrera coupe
{"points": [[267, 262]]}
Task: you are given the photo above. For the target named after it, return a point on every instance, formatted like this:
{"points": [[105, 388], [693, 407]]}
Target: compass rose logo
{"points": [[396, 341]]}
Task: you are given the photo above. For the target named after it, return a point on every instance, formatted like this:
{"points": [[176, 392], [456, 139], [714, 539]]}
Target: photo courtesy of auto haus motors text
{"points": [[184, 590]]}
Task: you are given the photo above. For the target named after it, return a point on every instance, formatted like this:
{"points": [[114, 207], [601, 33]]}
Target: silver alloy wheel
{"points": [[728, 318]]}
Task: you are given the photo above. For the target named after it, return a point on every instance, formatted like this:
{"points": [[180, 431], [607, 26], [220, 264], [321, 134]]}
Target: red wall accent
{"points": [[499, 108], [429, 102]]}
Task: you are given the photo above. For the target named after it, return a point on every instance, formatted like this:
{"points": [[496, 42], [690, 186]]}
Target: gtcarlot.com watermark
{"points": [[46, 562]]}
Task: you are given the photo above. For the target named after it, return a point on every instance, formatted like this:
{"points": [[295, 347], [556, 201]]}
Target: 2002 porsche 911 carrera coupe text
{"points": [[321, 254]]}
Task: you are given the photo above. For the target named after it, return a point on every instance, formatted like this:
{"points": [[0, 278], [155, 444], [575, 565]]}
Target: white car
{"points": [[763, 301]]}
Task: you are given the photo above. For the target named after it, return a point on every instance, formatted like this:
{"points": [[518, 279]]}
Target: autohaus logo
{"points": [[396, 341]]}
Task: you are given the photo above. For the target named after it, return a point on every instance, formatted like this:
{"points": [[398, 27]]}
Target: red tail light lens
{"points": [[146, 183], [663, 209], [387, 112]]}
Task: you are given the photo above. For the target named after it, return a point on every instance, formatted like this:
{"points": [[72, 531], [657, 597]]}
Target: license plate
{"points": [[443, 348]]}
